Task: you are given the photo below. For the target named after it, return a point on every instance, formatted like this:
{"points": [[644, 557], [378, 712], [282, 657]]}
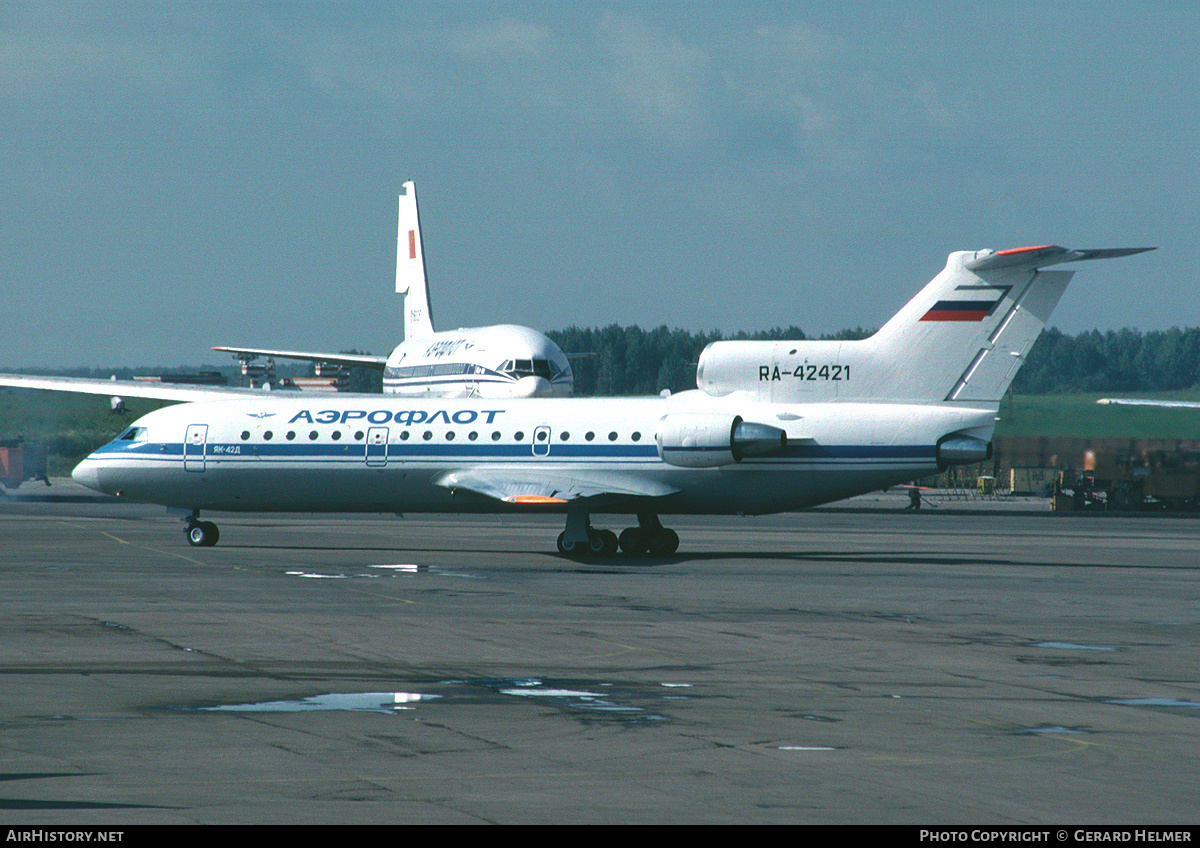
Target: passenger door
{"points": [[193, 447]]}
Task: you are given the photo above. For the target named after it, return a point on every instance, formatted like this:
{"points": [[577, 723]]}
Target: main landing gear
{"points": [[201, 534], [648, 537]]}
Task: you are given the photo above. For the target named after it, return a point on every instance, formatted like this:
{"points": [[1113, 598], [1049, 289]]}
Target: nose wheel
{"points": [[202, 534]]}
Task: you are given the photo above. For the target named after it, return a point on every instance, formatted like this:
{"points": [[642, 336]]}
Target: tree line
{"points": [[1113, 361], [633, 361]]}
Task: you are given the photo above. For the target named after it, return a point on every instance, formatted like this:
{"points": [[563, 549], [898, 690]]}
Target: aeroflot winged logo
{"points": [[972, 303]]}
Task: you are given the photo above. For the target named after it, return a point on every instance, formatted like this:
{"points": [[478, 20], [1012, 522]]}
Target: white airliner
{"points": [[500, 361], [773, 427]]}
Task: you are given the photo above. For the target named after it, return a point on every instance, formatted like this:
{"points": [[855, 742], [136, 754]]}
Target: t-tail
{"points": [[962, 338], [410, 268]]}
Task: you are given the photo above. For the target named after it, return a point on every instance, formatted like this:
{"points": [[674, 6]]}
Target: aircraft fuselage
{"points": [[501, 361], [359, 453]]}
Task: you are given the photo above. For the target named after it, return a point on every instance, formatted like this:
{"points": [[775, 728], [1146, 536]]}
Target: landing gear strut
{"points": [[201, 534]]}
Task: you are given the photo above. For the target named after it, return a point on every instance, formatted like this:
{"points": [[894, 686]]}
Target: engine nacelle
{"points": [[712, 439], [960, 449]]}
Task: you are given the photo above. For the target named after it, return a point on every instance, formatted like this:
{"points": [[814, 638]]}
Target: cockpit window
{"points": [[133, 434], [529, 368]]}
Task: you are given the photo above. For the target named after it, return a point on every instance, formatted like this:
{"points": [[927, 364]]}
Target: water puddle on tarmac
{"points": [[1048, 728], [584, 699], [376, 702], [384, 570], [594, 699], [1071, 646], [1174, 703]]}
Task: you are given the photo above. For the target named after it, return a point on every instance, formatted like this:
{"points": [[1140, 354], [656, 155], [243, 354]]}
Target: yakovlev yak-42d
{"points": [[772, 427]]}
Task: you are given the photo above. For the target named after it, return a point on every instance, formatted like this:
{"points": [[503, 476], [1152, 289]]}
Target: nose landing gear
{"points": [[201, 534]]}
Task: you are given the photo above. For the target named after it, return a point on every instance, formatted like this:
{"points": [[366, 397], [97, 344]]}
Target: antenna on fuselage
{"points": [[410, 267]]}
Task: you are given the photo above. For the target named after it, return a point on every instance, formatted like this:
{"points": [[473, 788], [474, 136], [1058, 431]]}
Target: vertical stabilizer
{"points": [[962, 338], [410, 268], [966, 334]]}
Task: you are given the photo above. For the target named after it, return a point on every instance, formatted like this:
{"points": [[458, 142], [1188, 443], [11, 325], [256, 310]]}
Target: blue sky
{"points": [[179, 175]]}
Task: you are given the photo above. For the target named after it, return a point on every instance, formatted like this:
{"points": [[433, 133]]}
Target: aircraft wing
{"points": [[1166, 404], [522, 486], [125, 388], [355, 360]]}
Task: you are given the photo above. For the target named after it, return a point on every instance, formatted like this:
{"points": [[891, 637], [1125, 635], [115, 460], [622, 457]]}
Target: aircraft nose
{"points": [[534, 387], [85, 474]]}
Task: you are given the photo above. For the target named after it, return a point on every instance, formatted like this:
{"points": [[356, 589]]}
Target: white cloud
{"points": [[667, 85], [503, 38], [44, 60]]}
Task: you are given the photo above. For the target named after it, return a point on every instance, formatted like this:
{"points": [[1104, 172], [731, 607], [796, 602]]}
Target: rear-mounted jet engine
{"points": [[709, 440]]}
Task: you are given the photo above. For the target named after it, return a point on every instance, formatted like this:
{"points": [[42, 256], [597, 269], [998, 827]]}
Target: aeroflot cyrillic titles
{"points": [[407, 417], [737, 444]]}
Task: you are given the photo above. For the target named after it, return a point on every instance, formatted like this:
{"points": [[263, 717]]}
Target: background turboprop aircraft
{"points": [[500, 361]]}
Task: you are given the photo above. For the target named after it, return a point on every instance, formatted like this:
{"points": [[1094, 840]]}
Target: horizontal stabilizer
{"points": [[1039, 257]]}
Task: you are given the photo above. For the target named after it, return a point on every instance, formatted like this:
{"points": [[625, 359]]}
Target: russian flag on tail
{"points": [[972, 303]]}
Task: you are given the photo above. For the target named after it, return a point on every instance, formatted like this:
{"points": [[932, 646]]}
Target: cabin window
{"points": [[291, 435], [312, 435], [564, 435], [590, 436], [519, 436], [404, 436], [473, 435], [427, 435], [245, 435], [449, 435], [637, 437], [337, 434], [358, 436], [612, 437], [496, 436]]}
